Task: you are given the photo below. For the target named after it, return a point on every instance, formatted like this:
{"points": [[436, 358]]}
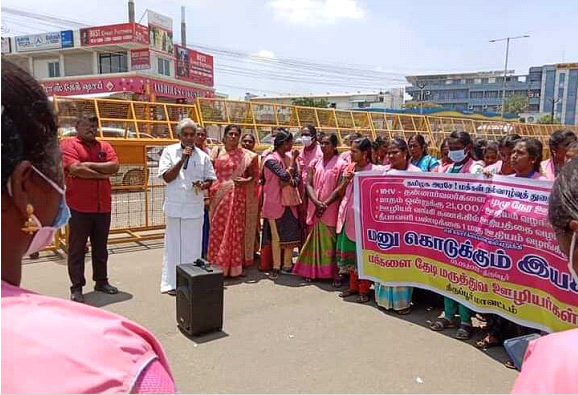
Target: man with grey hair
{"points": [[188, 171]]}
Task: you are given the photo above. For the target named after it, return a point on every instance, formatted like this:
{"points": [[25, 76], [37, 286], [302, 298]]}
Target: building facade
{"points": [[544, 86], [127, 60], [391, 98]]}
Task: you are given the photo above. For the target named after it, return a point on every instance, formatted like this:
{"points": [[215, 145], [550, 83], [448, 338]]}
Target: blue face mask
{"points": [[45, 234], [457, 156]]}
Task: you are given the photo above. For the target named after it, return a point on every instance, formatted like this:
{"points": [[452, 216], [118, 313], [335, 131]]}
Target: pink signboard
{"points": [[140, 59], [87, 86], [114, 34], [194, 66], [484, 242]]}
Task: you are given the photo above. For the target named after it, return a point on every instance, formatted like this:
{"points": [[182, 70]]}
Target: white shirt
{"points": [[182, 200]]}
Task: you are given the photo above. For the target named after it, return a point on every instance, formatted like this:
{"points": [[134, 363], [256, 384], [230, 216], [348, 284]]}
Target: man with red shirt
{"points": [[88, 164]]}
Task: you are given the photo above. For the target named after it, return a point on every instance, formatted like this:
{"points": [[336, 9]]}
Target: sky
{"points": [[272, 47]]}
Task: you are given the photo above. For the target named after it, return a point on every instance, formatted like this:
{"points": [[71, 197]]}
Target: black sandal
{"points": [[485, 343], [464, 333], [362, 298], [274, 275], [347, 293], [442, 324], [405, 311]]}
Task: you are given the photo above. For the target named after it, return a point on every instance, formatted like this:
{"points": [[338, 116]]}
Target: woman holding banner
{"points": [[460, 145], [346, 252], [550, 363], [396, 298], [558, 144], [419, 156], [504, 167], [526, 159]]}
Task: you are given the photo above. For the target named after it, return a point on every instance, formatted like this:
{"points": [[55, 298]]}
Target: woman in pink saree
{"points": [[235, 168]]}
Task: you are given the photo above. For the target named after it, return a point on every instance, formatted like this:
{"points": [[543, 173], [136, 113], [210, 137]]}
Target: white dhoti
{"points": [[183, 244]]}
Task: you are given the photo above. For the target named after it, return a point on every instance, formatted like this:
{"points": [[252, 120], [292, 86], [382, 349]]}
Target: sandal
{"points": [[510, 365], [362, 298], [464, 333], [485, 343], [172, 292], [405, 311], [347, 293], [442, 324], [337, 283], [274, 275]]}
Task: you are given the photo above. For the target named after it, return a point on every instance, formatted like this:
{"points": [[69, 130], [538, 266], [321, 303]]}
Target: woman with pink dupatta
{"points": [[235, 168], [317, 258]]}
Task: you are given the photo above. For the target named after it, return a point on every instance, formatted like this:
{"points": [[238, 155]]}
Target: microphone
{"points": [[186, 162]]}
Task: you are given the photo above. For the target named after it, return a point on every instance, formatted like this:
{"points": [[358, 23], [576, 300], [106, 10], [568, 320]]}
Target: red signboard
{"points": [[114, 34], [87, 86], [194, 66], [140, 59]]}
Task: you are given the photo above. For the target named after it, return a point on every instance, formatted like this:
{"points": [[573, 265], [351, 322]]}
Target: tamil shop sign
{"points": [[114, 34], [44, 41]]}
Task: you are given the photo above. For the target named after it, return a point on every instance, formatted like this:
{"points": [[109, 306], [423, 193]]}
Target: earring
{"points": [[29, 226]]}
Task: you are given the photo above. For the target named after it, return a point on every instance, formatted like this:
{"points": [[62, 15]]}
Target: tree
{"points": [[547, 119], [417, 104], [516, 104], [310, 102]]}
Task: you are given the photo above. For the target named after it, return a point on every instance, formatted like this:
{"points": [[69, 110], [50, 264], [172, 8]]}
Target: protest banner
{"points": [[484, 242]]}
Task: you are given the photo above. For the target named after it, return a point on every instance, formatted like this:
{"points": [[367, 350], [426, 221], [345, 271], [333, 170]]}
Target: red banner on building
{"points": [[87, 86], [114, 34], [140, 59], [194, 66]]}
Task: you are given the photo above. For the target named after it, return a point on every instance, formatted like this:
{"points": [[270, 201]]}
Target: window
{"points": [[113, 63], [477, 95], [469, 81], [163, 67], [492, 80], [53, 69], [477, 81]]}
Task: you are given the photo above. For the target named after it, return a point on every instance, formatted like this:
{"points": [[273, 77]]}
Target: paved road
{"points": [[290, 337]]}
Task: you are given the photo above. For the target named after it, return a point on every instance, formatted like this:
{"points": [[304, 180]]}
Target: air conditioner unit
{"points": [[427, 93], [485, 106], [470, 107]]}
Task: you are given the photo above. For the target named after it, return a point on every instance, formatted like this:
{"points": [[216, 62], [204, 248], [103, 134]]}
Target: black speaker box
{"points": [[199, 298]]}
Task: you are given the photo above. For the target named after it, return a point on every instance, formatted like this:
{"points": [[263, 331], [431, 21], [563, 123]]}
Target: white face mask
{"points": [[457, 155], [571, 256], [44, 236], [306, 140]]}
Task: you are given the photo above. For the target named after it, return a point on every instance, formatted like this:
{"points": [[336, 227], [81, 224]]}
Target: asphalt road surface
{"points": [[287, 337]]}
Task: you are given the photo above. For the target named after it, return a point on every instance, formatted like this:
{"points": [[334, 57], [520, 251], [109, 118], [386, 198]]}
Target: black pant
{"points": [[82, 226]]}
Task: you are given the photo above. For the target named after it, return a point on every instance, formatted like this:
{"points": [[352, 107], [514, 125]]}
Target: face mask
{"points": [[45, 234], [306, 140], [571, 256], [457, 155]]}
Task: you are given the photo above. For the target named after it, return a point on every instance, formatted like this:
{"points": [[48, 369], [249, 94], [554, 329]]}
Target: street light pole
{"points": [[421, 86], [554, 101], [507, 40]]}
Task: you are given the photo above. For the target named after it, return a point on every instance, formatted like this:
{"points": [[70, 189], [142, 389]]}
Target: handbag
{"points": [[290, 195]]}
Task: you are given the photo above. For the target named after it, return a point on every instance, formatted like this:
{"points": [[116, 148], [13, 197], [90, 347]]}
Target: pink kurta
{"points": [[345, 217], [51, 345], [304, 160], [550, 365], [496, 168], [548, 169], [410, 167], [325, 180], [272, 203]]}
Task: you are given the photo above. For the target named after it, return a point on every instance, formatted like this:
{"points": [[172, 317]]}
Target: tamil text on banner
{"points": [[114, 34], [160, 32], [129, 84], [140, 59], [484, 242], [193, 66]]}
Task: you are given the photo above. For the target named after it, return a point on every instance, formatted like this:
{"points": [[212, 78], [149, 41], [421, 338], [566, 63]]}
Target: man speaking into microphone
{"points": [[187, 171]]}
